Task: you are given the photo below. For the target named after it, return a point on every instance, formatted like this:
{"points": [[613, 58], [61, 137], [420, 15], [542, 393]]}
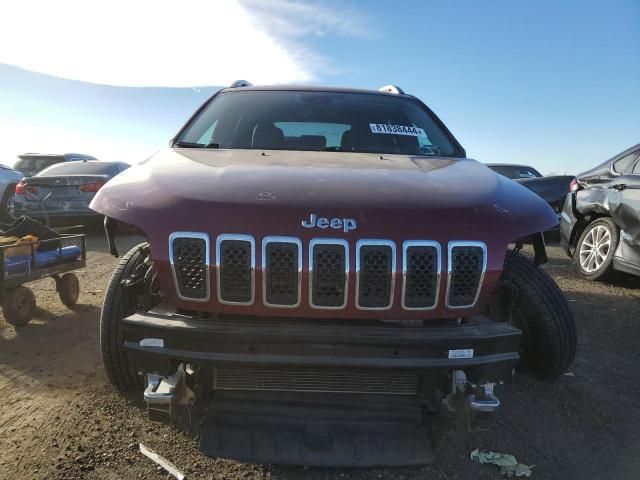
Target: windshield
{"points": [[330, 121]]}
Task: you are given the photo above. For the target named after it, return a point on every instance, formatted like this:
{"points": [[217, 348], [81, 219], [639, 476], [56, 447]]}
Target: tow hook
{"points": [[484, 400], [163, 394]]}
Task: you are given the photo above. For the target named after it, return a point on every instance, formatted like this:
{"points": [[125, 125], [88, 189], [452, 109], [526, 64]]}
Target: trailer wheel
{"points": [[68, 289], [532, 301], [19, 306], [119, 302]]}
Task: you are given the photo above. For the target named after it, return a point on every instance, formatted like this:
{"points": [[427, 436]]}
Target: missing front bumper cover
{"points": [[244, 342]]}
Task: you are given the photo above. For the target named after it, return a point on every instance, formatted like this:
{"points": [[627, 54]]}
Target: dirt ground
{"points": [[59, 418]]}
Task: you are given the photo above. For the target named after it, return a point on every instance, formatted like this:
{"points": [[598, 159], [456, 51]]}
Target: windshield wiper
{"points": [[196, 145], [332, 149]]}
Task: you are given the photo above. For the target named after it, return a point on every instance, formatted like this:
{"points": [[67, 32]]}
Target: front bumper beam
{"points": [[265, 342]]}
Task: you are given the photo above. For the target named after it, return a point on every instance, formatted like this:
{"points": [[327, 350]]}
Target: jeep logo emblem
{"points": [[344, 224]]}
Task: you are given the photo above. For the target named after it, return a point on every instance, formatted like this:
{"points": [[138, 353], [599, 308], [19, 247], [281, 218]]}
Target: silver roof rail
{"points": [[391, 89], [240, 83]]}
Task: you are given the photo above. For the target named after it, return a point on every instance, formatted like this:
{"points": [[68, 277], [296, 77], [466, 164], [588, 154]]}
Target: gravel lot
{"points": [[59, 419]]}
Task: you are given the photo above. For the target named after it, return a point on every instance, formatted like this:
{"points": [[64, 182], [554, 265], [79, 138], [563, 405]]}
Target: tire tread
{"points": [[549, 315], [117, 363]]}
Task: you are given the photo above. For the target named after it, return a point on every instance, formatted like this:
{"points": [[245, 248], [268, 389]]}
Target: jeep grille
{"points": [[375, 267], [467, 263], [281, 269], [421, 271], [189, 256], [235, 261], [329, 269], [329, 285]]}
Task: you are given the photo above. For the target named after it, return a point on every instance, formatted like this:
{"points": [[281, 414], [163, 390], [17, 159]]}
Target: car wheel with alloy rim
{"points": [[596, 246]]}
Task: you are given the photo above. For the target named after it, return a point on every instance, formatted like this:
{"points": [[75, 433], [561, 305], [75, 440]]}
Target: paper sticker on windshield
{"points": [[397, 130]]}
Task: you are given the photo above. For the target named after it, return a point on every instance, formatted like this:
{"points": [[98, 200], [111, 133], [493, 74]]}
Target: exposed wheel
{"points": [[531, 300], [19, 306], [69, 289], [595, 249], [119, 302]]}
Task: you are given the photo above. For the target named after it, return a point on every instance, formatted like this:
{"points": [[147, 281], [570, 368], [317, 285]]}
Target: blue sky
{"points": [[552, 84]]}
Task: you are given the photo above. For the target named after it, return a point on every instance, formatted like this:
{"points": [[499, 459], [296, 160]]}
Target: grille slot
{"points": [[329, 267], [189, 257], [421, 275], [316, 380], [467, 264], [375, 266], [281, 268], [235, 260]]}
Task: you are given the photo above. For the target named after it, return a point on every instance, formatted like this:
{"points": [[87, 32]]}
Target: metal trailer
{"points": [[24, 263]]}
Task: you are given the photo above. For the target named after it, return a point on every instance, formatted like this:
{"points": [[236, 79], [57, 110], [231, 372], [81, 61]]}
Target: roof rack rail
{"points": [[391, 89], [240, 83]]}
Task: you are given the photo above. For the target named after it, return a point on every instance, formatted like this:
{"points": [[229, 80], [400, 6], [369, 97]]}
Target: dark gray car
{"points": [[600, 222], [552, 188], [64, 190], [31, 163]]}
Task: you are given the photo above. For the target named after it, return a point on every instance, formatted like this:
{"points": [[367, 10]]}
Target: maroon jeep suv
{"points": [[322, 267]]}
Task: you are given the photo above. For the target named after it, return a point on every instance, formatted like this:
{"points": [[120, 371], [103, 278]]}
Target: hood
{"points": [[312, 195], [234, 189]]}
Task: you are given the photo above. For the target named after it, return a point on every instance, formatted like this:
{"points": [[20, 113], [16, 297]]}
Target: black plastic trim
{"points": [[309, 343]]}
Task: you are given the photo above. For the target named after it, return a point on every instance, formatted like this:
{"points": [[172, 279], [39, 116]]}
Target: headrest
{"points": [[315, 142], [267, 136], [346, 142]]}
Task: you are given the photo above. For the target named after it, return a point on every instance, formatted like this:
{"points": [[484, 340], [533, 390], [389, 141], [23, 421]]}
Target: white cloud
{"points": [[295, 18], [141, 43], [295, 22], [163, 43]]}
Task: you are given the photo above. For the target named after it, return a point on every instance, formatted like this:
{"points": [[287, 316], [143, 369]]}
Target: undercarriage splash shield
{"points": [[316, 429]]}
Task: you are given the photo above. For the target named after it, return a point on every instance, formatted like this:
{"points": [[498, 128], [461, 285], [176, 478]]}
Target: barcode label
{"points": [[397, 130], [462, 353]]}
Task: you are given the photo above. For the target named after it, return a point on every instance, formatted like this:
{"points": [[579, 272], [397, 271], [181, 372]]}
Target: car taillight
{"points": [[23, 187], [574, 185], [91, 187]]}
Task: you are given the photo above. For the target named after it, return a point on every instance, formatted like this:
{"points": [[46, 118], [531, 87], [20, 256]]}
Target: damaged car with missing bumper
{"points": [[600, 222], [323, 267]]}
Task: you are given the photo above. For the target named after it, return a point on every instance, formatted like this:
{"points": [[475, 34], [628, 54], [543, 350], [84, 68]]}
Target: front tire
{"points": [[595, 249], [120, 302], [532, 301]]}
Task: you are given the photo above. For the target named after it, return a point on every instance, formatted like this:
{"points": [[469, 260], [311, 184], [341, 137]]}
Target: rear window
{"points": [[329, 121], [83, 168], [515, 171]]}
